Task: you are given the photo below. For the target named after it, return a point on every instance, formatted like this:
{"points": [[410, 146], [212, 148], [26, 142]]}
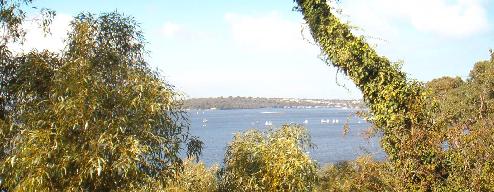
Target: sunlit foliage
{"points": [[272, 161], [93, 117], [194, 177], [13, 14], [362, 174], [437, 137], [467, 115], [399, 107]]}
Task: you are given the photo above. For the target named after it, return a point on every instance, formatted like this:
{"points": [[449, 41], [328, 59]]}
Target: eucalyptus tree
{"points": [[93, 117], [13, 14]]}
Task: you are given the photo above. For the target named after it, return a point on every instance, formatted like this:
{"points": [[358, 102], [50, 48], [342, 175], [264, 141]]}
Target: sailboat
{"points": [[268, 123]]}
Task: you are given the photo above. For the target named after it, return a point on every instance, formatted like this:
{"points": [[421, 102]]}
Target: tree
{"points": [[399, 107], [441, 86], [466, 113], [12, 15], [437, 136], [94, 117]]}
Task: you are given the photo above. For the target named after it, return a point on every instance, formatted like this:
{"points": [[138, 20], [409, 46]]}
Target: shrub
{"points": [[194, 177], [362, 174], [275, 160]]}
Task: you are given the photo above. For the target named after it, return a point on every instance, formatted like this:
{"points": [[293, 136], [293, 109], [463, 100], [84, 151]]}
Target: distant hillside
{"points": [[258, 102]]}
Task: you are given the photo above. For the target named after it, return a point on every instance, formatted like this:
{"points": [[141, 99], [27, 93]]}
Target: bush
{"points": [[194, 177], [272, 161], [362, 174]]}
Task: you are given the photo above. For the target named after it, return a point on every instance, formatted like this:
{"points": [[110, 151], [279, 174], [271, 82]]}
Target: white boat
{"points": [[324, 121], [269, 112], [306, 121], [268, 123], [204, 120]]}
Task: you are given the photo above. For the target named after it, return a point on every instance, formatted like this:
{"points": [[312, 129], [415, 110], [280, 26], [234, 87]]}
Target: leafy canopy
{"points": [[438, 136], [272, 161], [93, 117]]}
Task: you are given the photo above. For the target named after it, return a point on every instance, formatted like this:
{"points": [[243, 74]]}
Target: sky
{"points": [[262, 48]]}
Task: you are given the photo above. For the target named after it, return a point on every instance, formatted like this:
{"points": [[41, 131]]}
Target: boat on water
{"points": [[333, 121], [270, 112], [306, 121], [204, 120], [268, 123]]}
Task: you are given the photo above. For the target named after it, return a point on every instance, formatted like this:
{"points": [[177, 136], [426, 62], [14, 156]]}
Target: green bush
{"points": [[194, 177], [275, 160], [362, 174]]}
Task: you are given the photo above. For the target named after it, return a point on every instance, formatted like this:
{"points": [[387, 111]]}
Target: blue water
{"points": [[331, 144]]}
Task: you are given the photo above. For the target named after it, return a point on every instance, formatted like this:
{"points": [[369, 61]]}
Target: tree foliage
{"points": [[438, 136], [271, 161], [194, 177], [467, 117], [93, 117], [400, 108], [13, 14], [443, 85], [362, 174]]}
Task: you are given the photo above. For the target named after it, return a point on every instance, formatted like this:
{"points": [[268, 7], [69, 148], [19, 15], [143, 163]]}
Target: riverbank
{"points": [[225, 103]]}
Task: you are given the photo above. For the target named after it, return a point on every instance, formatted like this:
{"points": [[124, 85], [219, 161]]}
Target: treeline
{"points": [[260, 102]]}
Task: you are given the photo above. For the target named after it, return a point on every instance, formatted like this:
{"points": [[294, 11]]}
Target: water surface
{"points": [[217, 127]]}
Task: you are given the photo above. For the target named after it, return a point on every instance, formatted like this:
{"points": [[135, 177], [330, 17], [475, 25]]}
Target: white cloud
{"points": [[37, 39], [268, 32], [171, 29], [457, 19], [316, 84]]}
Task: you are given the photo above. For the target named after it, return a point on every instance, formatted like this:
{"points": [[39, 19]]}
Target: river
{"points": [[216, 129]]}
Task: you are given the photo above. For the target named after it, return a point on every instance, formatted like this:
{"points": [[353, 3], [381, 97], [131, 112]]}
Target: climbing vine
{"points": [[399, 107]]}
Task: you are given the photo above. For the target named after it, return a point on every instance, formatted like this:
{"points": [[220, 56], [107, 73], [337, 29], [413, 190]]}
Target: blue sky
{"points": [[261, 48]]}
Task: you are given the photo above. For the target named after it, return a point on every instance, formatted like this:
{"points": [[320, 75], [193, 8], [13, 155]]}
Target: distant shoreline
{"points": [[229, 103]]}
